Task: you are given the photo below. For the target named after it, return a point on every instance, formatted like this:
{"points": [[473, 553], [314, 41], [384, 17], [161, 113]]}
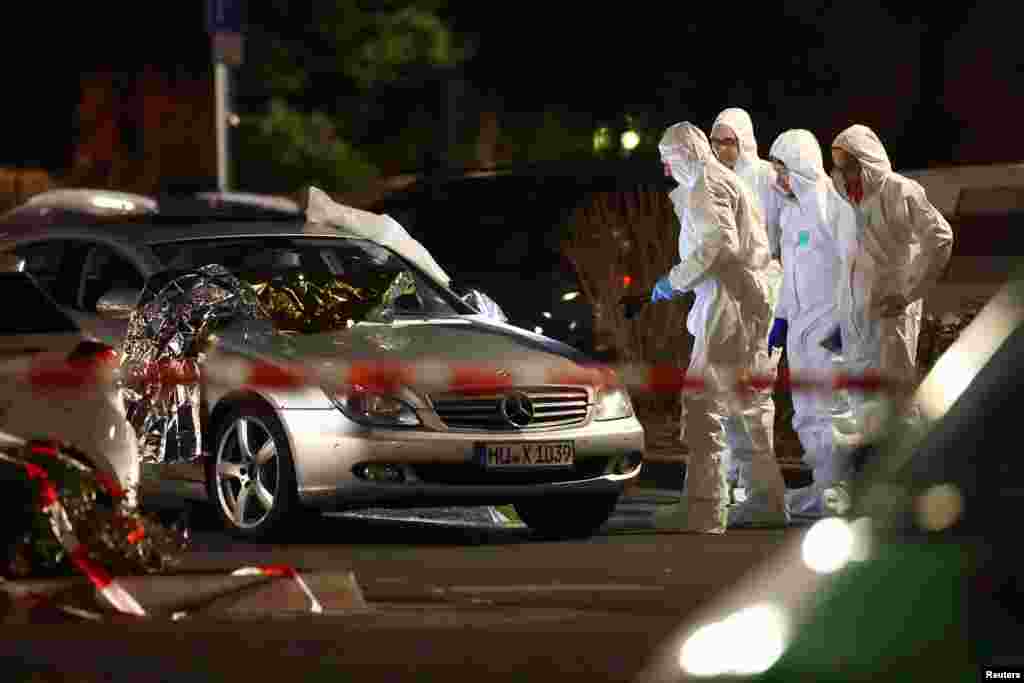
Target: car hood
{"points": [[458, 340]]}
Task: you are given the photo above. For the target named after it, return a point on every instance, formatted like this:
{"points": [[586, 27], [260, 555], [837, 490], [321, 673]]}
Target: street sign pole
{"points": [[224, 22], [220, 86]]}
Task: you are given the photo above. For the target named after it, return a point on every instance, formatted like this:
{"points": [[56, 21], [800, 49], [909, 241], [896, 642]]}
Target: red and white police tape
{"points": [[108, 586], [235, 371], [280, 570], [49, 503]]}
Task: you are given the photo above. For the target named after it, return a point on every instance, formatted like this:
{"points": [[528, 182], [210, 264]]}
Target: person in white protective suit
{"points": [[883, 281], [814, 219], [723, 255], [733, 142]]}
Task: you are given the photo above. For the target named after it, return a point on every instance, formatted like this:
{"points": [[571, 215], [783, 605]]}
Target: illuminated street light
{"points": [[630, 139], [569, 296]]}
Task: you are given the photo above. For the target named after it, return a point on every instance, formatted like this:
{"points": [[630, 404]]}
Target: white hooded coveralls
{"points": [[723, 251], [759, 175], [893, 216], [813, 222]]}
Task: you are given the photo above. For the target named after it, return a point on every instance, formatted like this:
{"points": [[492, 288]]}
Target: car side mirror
{"points": [[484, 305], [118, 304]]}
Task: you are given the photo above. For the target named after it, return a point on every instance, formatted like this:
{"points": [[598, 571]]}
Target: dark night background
{"points": [[940, 87]]}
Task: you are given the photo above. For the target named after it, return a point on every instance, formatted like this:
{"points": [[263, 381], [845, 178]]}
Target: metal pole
{"points": [[220, 85]]}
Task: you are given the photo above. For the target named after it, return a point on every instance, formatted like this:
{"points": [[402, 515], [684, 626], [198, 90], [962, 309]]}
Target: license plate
{"points": [[520, 455]]}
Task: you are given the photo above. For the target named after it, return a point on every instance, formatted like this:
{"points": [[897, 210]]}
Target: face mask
{"points": [[685, 171], [799, 186]]}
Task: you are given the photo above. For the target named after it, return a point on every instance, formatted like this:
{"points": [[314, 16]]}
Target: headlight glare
{"points": [[612, 403]]}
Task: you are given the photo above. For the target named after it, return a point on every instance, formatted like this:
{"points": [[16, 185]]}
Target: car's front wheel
{"points": [[251, 477], [578, 516]]}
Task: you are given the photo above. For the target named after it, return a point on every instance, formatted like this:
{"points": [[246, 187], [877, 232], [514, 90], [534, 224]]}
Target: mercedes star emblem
{"points": [[517, 409]]}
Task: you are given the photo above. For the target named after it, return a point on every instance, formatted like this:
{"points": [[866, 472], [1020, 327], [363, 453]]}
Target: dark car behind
{"points": [[501, 232]]}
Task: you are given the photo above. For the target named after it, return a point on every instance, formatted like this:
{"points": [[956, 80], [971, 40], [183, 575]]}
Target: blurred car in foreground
{"points": [[921, 579], [92, 420], [561, 454]]}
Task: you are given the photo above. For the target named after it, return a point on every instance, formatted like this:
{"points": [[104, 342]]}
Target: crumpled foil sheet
{"points": [[172, 323], [297, 303], [176, 319]]}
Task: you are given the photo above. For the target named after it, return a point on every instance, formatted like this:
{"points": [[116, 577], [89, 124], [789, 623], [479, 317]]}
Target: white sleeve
{"points": [[781, 310], [935, 236], [715, 224], [772, 202], [843, 224]]}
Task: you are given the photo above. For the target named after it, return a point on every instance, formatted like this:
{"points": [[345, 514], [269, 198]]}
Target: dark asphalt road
{"points": [[624, 569], [447, 602]]}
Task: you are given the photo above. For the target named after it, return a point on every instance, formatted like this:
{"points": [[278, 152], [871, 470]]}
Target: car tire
{"points": [[565, 517], [261, 466]]}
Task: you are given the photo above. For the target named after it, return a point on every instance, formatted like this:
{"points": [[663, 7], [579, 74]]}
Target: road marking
{"points": [[537, 588]]}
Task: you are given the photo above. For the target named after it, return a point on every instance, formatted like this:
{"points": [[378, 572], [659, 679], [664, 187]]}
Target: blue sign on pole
{"points": [[224, 21], [225, 16]]}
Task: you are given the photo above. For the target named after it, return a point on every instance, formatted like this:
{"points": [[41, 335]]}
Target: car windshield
{"points": [[314, 285]]}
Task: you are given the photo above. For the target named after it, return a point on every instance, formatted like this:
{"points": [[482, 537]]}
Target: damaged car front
{"points": [[325, 296]]}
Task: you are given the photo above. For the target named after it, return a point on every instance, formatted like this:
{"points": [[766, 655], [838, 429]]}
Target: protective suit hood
{"points": [[862, 143], [687, 151], [739, 121], [800, 152]]}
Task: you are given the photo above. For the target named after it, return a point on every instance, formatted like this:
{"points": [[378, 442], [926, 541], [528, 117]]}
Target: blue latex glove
{"points": [[662, 290], [777, 337]]}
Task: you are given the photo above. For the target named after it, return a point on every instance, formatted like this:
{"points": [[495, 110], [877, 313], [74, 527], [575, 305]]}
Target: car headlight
{"points": [[612, 403], [374, 409]]}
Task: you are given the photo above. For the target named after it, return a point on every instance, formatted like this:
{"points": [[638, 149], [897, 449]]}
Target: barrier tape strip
{"points": [[49, 503], [384, 376], [283, 571], [105, 583]]}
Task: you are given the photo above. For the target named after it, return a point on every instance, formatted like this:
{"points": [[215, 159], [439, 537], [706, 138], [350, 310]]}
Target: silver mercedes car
{"points": [[560, 453]]}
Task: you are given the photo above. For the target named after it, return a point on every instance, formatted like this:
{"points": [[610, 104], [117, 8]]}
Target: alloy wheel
{"points": [[248, 472]]}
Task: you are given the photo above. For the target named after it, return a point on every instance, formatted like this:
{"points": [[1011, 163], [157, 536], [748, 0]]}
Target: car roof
{"points": [[266, 202], [79, 207], [139, 234], [93, 201]]}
